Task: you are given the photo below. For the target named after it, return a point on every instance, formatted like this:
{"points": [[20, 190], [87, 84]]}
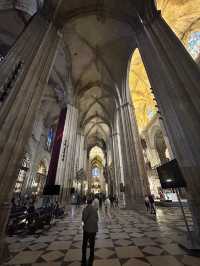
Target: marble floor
{"points": [[129, 238]]}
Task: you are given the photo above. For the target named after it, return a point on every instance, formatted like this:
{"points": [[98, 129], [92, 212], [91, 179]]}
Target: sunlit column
{"points": [[175, 80], [134, 190]]}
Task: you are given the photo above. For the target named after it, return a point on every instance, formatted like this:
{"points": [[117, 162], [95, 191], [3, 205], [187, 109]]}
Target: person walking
{"points": [[147, 203], [90, 228], [152, 204]]}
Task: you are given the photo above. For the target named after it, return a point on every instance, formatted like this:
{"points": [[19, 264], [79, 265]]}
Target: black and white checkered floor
{"points": [[130, 238]]}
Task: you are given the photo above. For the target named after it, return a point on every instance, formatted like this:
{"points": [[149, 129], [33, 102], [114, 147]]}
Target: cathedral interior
{"points": [[100, 97]]}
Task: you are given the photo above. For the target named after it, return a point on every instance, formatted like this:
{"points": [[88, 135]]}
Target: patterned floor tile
{"points": [[73, 255], [129, 252], [164, 261], [59, 245], [135, 262], [119, 236], [191, 261], [143, 241], [153, 250], [129, 238], [47, 264], [101, 243], [174, 249], [104, 253], [52, 256], [109, 262], [123, 242], [38, 246], [25, 257]]}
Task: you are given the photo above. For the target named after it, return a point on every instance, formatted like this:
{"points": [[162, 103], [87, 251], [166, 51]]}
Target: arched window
{"points": [[95, 172], [22, 173], [194, 44], [40, 178], [50, 138]]}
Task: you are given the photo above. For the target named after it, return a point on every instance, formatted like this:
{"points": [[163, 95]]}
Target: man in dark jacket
{"points": [[90, 228]]}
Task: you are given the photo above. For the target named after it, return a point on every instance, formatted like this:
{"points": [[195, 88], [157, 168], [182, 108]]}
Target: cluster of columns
{"points": [[67, 166], [175, 79], [35, 49], [135, 176], [176, 88]]}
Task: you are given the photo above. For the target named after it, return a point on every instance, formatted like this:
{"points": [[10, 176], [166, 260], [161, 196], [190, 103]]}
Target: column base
{"points": [[194, 206], [4, 213], [4, 252], [190, 242]]}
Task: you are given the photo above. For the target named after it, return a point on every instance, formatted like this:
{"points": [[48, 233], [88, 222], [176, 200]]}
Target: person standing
{"points": [[78, 201], [100, 202], [147, 204], [90, 228], [107, 207], [95, 203]]}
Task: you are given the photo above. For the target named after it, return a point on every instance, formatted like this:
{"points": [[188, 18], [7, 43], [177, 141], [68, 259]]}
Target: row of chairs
{"points": [[23, 220]]}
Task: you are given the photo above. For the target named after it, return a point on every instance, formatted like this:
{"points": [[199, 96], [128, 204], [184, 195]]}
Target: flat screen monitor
{"points": [[170, 175]]}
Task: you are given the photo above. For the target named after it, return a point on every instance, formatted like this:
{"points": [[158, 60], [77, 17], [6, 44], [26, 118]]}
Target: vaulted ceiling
{"points": [[92, 61], [99, 59]]}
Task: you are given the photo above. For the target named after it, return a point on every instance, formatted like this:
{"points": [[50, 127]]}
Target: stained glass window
{"points": [[95, 172], [194, 44], [50, 136], [150, 112]]}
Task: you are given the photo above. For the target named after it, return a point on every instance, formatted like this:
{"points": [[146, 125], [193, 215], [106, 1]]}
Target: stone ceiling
{"points": [[99, 56], [95, 53], [183, 16]]}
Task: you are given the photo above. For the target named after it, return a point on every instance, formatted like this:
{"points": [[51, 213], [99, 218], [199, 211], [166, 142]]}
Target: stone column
{"points": [[175, 80], [134, 187], [80, 151], [117, 167], [66, 166], [23, 75]]}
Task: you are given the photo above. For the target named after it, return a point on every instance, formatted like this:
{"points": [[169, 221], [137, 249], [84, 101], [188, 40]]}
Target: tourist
{"points": [[107, 207], [152, 204], [78, 201], [90, 228], [112, 199], [116, 201], [95, 203], [147, 203], [100, 202], [13, 205]]}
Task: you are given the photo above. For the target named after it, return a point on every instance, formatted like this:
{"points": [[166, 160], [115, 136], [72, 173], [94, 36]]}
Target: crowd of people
{"points": [[99, 199]]}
